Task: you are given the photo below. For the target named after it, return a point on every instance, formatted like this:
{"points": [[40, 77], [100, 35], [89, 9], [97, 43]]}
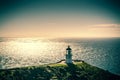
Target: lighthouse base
{"points": [[69, 61]]}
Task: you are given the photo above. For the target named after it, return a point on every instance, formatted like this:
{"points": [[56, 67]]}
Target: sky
{"points": [[60, 18]]}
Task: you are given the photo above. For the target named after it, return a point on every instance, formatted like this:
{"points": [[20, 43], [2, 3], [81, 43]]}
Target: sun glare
{"points": [[29, 47]]}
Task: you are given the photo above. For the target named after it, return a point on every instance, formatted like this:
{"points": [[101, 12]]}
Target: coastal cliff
{"points": [[79, 70]]}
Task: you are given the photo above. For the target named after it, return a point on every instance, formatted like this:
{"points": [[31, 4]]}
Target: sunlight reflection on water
{"points": [[23, 52]]}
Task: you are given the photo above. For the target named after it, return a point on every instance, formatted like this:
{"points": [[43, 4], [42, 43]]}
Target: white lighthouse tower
{"points": [[68, 55]]}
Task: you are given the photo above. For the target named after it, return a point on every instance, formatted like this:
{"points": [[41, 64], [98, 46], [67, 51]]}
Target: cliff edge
{"points": [[79, 70]]}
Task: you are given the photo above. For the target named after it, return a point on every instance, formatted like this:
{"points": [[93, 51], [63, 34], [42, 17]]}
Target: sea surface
{"points": [[19, 52]]}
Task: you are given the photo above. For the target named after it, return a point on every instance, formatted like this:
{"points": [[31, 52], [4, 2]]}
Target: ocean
{"points": [[20, 52]]}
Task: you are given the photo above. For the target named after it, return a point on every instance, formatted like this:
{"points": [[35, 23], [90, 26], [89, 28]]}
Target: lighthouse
{"points": [[68, 55]]}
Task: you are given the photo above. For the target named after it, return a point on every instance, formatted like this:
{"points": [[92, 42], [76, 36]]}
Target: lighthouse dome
{"points": [[68, 48]]}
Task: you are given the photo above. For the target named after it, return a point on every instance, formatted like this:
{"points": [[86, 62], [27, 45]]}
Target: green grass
{"points": [[77, 71], [57, 65]]}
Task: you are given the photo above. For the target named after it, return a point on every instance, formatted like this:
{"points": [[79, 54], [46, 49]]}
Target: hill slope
{"points": [[57, 71]]}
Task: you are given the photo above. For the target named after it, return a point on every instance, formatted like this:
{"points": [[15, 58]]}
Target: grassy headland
{"points": [[57, 71]]}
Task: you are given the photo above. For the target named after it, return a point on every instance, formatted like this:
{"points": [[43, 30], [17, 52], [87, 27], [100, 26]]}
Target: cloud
{"points": [[106, 26]]}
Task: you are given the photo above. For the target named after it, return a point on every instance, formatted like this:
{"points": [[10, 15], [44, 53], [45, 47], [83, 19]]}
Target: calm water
{"points": [[20, 52]]}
